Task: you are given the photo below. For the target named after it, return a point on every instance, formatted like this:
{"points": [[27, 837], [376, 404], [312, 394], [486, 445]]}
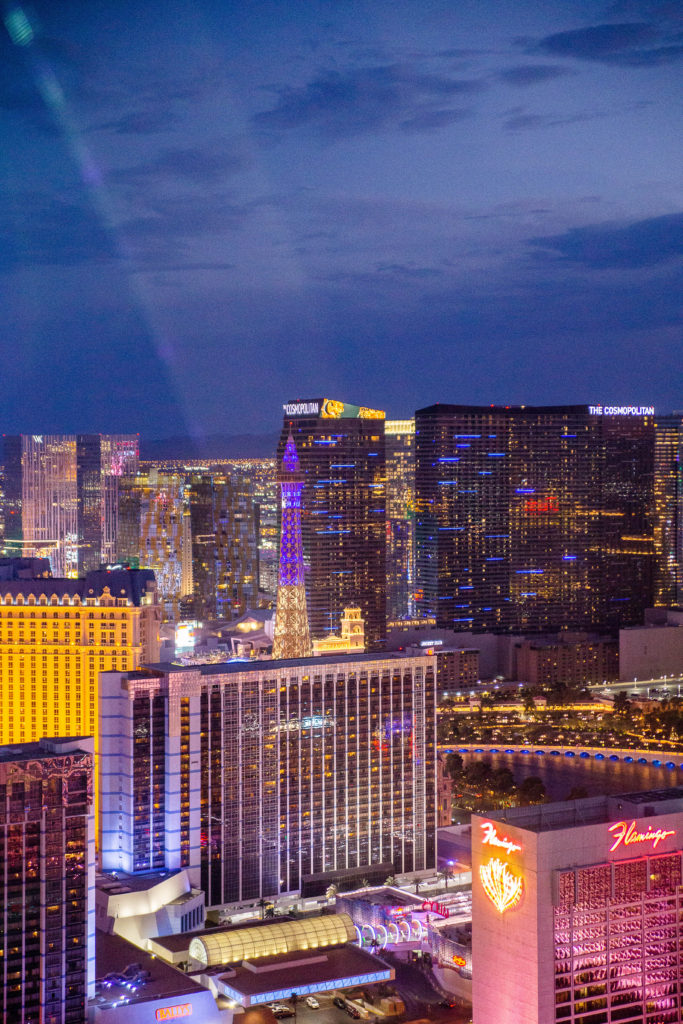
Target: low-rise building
{"points": [[567, 659], [655, 649]]}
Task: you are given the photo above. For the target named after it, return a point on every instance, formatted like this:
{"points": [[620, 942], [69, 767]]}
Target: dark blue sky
{"points": [[211, 207]]}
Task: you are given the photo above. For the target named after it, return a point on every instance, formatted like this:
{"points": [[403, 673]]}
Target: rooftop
{"points": [[120, 882], [113, 954], [56, 746], [592, 810], [386, 896], [297, 972], [121, 582], [263, 666]]}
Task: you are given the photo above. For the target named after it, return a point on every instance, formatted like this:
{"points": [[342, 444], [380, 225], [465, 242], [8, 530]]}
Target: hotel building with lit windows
{"points": [[535, 519], [61, 497], [260, 777], [57, 635], [399, 441], [154, 531], [341, 450], [577, 912], [47, 881]]}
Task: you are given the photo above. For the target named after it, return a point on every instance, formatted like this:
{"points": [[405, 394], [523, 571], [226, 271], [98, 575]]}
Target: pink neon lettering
{"points": [[628, 834]]}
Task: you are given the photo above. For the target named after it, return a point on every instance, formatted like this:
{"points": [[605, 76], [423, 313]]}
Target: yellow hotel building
{"points": [[57, 635]]}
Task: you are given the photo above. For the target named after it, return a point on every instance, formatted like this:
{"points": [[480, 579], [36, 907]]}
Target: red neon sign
{"points": [[432, 907], [459, 961], [535, 506], [626, 833]]}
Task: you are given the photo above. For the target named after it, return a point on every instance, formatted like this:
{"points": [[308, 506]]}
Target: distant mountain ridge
{"points": [[213, 446]]}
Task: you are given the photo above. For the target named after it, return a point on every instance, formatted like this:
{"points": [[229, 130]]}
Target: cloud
{"points": [[644, 243], [189, 164], [530, 74], [632, 44], [369, 99], [49, 230], [149, 122]]}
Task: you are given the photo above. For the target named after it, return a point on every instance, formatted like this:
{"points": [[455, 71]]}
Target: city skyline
{"points": [[413, 206]]}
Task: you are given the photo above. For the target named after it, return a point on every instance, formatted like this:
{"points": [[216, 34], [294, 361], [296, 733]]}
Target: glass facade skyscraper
{"points": [[47, 880], [61, 497], [534, 519], [154, 531], [224, 529], [256, 776], [399, 441], [342, 455], [669, 510]]}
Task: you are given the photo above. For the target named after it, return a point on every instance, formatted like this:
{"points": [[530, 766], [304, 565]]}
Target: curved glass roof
{"points": [[238, 944]]}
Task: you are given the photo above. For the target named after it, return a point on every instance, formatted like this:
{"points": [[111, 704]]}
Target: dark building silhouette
{"points": [[534, 519], [342, 456]]}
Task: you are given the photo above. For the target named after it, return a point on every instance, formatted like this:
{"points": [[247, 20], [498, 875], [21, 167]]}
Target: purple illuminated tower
{"points": [[291, 639]]}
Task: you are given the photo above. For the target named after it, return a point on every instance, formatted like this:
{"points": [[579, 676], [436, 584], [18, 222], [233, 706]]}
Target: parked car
{"points": [[312, 1002], [338, 1001]]}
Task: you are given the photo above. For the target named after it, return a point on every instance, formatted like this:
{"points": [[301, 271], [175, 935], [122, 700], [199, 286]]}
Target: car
{"points": [[338, 1001], [352, 1011], [312, 1002]]}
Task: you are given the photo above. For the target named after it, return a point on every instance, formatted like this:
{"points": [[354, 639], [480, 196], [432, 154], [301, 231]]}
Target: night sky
{"points": [[211, 207]]}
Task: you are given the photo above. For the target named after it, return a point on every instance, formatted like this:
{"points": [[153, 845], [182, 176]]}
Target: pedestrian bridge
{"points": [[658, 759]]}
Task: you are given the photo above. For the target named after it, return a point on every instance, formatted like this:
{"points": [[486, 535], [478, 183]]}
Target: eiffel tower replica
{"points": [[291, 638]]}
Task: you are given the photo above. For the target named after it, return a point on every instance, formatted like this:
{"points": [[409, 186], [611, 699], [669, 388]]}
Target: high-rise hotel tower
{"points": [[534, 519], [257, 777], [577, 912], [341, 453], [61, 497], [47, 882]]}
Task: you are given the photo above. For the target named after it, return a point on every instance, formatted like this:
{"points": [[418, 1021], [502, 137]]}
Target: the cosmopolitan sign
{"points": [[621, 410], [302, 408], [626, 834]]}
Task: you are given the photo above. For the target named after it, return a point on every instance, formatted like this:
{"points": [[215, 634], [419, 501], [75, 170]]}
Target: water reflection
{"points": [[561, 774]]}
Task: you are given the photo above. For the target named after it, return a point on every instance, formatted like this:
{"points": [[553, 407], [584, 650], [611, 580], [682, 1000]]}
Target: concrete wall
{"points": [[650, 652]]}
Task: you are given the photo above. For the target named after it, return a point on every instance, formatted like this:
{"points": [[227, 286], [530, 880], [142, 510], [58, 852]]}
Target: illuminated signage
{"points": [[302, 408], [332, 409], [492, 838], [431, 907], [621, 410], [459, 961], [501, 885], [174, 1012], [534, 506], [626, 834]]}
